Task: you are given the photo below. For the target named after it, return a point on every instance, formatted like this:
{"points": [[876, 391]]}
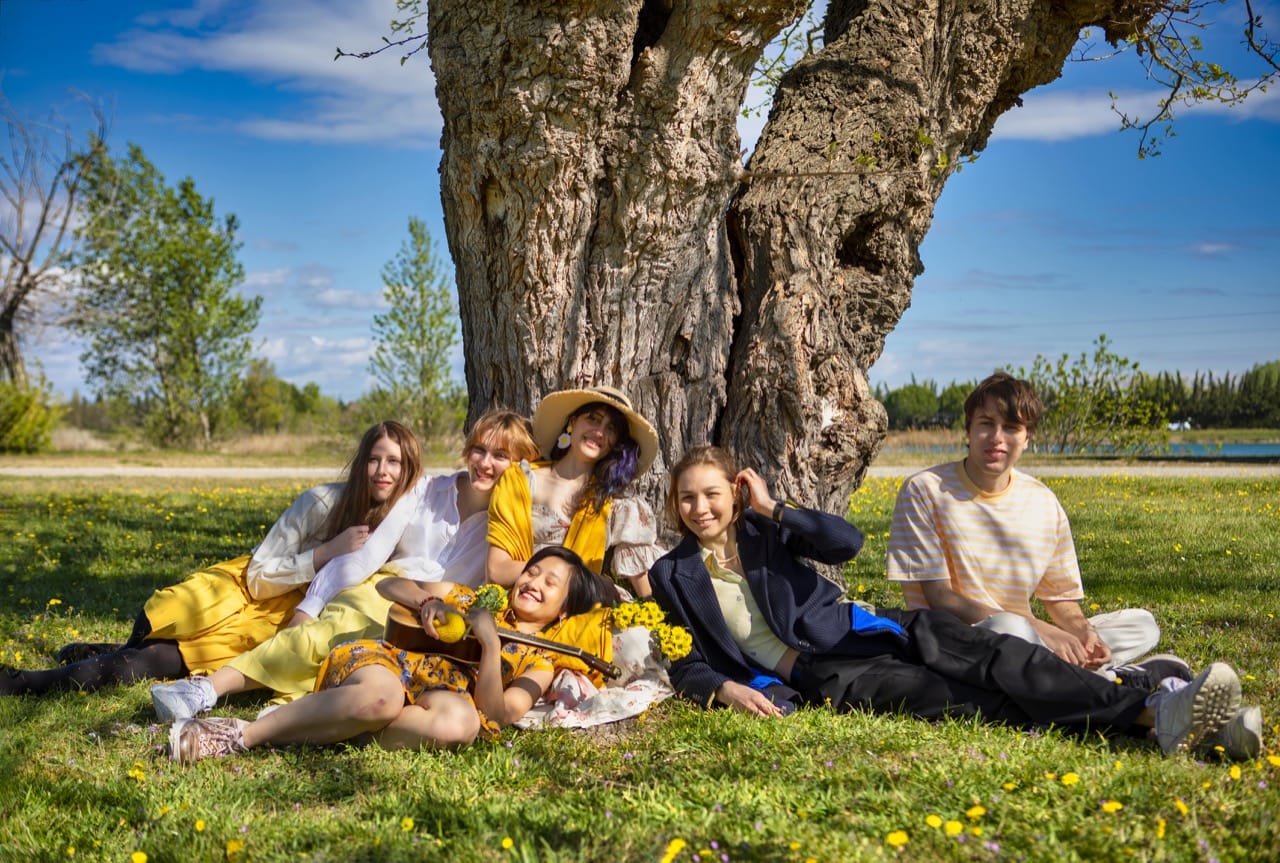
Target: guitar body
{"points": [[404, 630]]}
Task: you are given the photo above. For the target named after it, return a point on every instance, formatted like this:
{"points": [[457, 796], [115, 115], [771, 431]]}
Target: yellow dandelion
{"points": [[933, 821], [975, 830], [1112, 806], [1009, 786], [1118, 765], [1182, 807], [1051, 775], [674, 847], [507, 842], [235, 847], [897, 838], [973, 813], [55, 601], [952, 828], [71, 850], [1159, 828], [1273, 760], [794, 846], [1070, 778], [138, 857], [1234, 772], [199, 825], [406, 824]]}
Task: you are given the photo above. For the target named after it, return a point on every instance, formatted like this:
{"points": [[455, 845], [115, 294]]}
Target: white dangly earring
{"points": [[564, 440]]}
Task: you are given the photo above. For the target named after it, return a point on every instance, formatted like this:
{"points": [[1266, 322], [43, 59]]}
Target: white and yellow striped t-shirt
{"points": [[998, 549]]}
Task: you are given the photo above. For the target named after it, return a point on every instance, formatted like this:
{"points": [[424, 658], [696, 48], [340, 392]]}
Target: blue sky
{"points": [[1058, 233]]}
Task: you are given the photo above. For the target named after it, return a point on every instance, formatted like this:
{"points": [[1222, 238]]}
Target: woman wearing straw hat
{"points": [[596, 445]]}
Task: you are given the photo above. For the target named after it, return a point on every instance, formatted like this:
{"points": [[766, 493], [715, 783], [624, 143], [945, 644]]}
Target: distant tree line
{"points": [[1102, 401]]}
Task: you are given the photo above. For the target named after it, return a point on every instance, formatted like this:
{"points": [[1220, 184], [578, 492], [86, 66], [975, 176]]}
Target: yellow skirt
{"points": [[212, 617], [289, 661]]}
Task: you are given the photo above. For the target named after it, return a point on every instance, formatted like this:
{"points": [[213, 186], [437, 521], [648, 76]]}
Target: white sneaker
{"points": [[1240, 739], [183, 699], [1186, 717]]}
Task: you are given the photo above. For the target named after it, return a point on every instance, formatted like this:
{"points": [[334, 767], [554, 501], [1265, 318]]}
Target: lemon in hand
{"points": [[452, 629]]}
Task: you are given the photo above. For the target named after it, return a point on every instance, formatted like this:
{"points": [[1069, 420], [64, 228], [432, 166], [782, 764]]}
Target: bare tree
{"points": [[42, 171]]}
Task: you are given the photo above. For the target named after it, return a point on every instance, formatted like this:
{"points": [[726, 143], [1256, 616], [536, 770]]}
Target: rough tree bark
{"points": [[603, 230]]}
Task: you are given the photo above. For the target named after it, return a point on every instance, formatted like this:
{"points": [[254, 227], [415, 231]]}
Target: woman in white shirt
{"points": [[218, 613], [436, 532]]}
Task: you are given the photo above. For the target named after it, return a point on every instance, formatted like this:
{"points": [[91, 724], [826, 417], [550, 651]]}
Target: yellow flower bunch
{"points": [[674, 642], [629, 614], [492, 597]]}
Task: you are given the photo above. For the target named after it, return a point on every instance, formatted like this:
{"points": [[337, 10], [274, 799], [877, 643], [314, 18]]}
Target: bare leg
{"points": [[443, 719], [369, 700], [227, 681]]}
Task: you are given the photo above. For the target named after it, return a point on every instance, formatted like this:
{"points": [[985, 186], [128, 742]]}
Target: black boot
{"points": [[13, 681]]}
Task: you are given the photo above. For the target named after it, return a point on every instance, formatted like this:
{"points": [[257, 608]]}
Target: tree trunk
{"points": [[590, 161]]}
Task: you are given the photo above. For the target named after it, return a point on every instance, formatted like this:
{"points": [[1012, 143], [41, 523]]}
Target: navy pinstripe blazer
{"points": [[807, 611]]}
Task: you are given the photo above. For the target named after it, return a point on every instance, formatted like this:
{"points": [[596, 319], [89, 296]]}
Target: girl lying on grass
{"points": [[769, 631], [412, 700], [436, 532], [216, 614]]}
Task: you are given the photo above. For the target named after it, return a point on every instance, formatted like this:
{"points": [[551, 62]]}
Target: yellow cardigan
{"points": [[511, 521]]}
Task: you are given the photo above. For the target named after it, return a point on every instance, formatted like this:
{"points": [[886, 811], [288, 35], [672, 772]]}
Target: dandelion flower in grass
{"points": [[975, 830], [674, 847], [71, 850], [1181, 807], [507, 842], [1009, 786], [406, 824], [973, 813], [1159, 828], [951, 828], [1273, 760], [1070, 778], [235, 847], [1234, 772], [138, 857], [1111, 806], [199, 825], [933, 821], [55, 601], [794, 846], [897, 838]]}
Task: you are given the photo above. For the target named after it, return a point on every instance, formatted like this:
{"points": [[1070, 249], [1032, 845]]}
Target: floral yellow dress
{"points": [[421, 673]]}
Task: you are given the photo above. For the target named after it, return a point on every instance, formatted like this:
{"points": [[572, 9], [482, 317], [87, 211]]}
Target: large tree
{"points": [[166, 328], [42, 169], [604, 230]]}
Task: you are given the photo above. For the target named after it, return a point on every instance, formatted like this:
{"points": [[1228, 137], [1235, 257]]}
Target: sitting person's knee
{"points": [[1008, 623]]}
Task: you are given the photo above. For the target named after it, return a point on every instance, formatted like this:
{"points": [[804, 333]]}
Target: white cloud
{"points": [[1211, 248], [292, 46], [1065, 116], [267, 278]]}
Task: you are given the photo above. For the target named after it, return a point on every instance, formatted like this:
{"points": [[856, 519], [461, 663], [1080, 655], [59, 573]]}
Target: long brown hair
{"points": [[355, 505], [711, 456]]}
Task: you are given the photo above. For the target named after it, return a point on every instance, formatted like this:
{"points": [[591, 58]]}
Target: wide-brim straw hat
{"points": [[552, 416]]}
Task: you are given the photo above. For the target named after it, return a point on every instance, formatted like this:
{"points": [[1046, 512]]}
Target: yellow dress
{"points": [[421, 673], [228, 608]]}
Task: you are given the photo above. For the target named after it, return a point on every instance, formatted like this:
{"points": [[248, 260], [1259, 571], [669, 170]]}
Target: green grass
{"points": [[88, 772]]}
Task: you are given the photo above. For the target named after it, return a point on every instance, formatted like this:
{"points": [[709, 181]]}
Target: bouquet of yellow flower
{"points": [[671, 642], [492, 597]]}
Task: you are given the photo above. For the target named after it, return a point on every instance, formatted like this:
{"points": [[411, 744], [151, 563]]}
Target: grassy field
{"points": [[88, 778]]}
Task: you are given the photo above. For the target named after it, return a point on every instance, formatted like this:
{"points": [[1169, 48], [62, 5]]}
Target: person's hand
{"points": [[758, 497], [349, 540], [299, 617], [431, 612], [1063, 643], [483, 627], [1097, 654], [747, 700]]}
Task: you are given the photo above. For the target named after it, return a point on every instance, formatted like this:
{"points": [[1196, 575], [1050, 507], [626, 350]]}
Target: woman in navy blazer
{"points": [[770, 632]]}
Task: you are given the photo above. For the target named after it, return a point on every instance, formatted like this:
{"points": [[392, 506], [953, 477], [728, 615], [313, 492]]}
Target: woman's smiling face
{"points": [[486, 463], [539, 594], [705, 500]]}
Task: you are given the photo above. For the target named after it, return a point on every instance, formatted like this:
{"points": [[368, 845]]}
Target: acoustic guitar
{"points": [[404, 630]]}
